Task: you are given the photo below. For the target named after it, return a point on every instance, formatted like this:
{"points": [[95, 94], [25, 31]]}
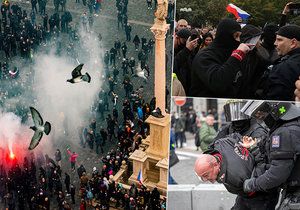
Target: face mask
{"points": [[241, 125]]}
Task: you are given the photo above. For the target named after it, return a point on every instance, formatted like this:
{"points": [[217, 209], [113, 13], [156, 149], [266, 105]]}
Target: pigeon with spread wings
{"points": [[39, 128], [78, 77]]}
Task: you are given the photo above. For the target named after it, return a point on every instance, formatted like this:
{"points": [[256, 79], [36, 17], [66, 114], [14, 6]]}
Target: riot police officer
{"points": [[248, 126], [282, 149], [240, 123]]}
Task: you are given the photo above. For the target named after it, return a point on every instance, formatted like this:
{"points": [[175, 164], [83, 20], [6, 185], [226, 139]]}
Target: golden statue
{"points": [[162, 10]]}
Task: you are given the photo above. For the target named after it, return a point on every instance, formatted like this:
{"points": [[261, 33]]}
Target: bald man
{"points": [[207, 167], [231, 164], [182, 23]]}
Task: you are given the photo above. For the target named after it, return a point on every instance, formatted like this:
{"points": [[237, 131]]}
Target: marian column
{"points": [[159, 29]]}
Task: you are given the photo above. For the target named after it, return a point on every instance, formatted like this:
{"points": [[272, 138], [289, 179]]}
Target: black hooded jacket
{"points": [[214, 71]]}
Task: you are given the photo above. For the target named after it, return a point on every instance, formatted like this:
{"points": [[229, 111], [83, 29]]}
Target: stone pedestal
{"points": [[159, 136], [153, 163], [163, 173], [138, 159]]}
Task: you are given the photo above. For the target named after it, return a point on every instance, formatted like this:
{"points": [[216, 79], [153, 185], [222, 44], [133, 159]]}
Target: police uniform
{"points": [[241, 124], [282, 149]]}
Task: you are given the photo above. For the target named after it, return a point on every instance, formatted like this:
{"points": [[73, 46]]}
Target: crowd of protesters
{"points": [[40, 183], [223, 61]]}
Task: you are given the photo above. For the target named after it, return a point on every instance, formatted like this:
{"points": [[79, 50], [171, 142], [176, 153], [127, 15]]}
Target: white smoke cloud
{"points": [[63, 104], [44, 87]]}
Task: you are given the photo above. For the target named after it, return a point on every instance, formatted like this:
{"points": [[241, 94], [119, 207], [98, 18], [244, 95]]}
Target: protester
{"points": [[73, 157]]}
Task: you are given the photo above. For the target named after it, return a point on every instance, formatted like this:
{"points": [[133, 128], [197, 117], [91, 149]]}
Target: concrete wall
{"points": [[201, 197]]}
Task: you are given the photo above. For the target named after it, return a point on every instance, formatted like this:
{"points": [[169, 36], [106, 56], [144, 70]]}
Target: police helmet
{"points": [[232, 111], [277, 110]]}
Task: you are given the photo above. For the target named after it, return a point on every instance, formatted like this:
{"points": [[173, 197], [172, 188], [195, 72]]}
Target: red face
{"points": [[210, 174], [207, 170]]}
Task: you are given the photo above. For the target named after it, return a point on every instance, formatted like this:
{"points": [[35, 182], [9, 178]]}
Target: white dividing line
{"points": [[189, 154], [183, 157]]}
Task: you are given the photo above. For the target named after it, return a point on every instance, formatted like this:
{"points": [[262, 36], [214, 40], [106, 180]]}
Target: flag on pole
{"points": [[140, 176], [237, 12]]}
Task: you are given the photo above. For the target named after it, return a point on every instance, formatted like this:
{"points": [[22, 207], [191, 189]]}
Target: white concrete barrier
{"points": [[201, 197], [180, 197]]}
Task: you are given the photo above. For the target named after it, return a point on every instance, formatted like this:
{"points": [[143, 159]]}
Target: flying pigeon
{"points": [[78, 77], [39, 128], [140, 73]]}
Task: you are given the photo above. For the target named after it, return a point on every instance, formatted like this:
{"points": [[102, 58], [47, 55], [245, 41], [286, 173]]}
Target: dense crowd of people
{"points": [[39, 183], [237, 60]]}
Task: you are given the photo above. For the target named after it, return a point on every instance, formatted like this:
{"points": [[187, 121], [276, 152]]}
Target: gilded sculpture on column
{"points": [[162, 10]]}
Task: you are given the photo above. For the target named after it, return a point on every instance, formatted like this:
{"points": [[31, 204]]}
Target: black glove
{"points": [[248, 185]]}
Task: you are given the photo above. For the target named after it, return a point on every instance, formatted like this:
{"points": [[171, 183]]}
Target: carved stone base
{"points": [[159, 136]]}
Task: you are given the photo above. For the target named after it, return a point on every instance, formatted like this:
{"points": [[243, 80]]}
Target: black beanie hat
{"points": [[184, 33], [290, 32], [249, 31]]}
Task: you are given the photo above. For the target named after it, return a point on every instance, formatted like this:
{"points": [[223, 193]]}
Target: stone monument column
{"points": [[159, 29]]}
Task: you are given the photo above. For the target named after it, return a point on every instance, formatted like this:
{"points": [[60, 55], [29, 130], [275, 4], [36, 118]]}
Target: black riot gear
{"points": [[271, 112], [282, 150]]}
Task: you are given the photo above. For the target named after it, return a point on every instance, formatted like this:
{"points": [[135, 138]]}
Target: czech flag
{"points": [[237, 12], [140, 176]]}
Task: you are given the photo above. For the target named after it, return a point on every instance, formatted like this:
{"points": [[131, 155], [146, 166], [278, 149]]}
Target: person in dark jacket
{"points": [[136, 41], [215, 68], [58, 157], [67, 182], [255, 64], [80, 170], [282, 151], [184, 50], [230, 163], [73, 189], [285, 72]]}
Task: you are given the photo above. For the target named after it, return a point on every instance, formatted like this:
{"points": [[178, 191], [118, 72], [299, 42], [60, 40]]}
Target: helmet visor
{"points": [[233, 111], [257, 109]]}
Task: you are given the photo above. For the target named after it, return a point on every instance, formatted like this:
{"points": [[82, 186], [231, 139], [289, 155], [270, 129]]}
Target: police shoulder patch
{"points": [[275, 141]]}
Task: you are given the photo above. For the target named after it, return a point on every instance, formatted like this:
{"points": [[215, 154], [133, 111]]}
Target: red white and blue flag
{"points": [[237, 12], [140, 176]]}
